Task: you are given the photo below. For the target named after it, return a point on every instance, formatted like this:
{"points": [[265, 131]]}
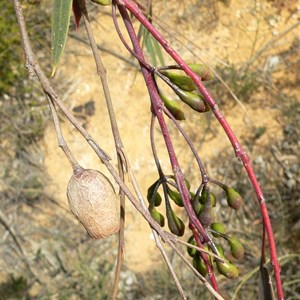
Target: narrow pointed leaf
{"points": [[158, 52], [61, 13], [77, 13], [266, 291]]}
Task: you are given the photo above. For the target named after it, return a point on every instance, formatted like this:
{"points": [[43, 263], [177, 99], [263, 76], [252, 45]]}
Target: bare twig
{"points": [[122, 160]]}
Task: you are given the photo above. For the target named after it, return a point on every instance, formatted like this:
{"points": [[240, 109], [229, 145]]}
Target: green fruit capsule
{"points": [[218, 227], [199, 264], [175, 224], [227, 269], [191, 251], [203, 71], [220, 250], [182, 81], [175, 196], [205, 217], [151, 197], [188, 185], [236, 248], [197, 207], [204, 198], [102, 2], [194, 101], [174, 108], [234, 199], [158, 217]]}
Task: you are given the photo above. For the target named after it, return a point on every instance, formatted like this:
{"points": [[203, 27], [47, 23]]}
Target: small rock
{"points": [[35, 290], [288, 129], [288, 174], [291, 183]]}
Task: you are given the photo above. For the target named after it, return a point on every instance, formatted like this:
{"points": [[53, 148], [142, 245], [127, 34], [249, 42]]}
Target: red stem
{"points": [[239, 152], [157, 108], [205, 258]]}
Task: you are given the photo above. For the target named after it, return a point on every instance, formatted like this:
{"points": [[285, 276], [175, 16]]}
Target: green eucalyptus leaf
{"points": [[61, 13]]}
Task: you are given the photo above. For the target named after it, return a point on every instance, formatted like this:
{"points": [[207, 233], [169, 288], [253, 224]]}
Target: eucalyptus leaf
{"points": [[61, 12]]}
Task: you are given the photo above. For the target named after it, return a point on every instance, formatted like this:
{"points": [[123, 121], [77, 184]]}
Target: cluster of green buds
{"points": [[203, 206], [224, 266], [171, 195], [185, 89], [203, 203]]}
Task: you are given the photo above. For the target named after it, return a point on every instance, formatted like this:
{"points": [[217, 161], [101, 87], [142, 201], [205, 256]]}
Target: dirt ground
{"points": [[221, 35]]}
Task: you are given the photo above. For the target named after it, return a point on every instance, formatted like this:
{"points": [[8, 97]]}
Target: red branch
{"points": [[205, 258], [157, 108], [239, 152]]}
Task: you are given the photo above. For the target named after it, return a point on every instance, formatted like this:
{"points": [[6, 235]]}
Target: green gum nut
{"points": [[199, 264], [175, 196], [188, 185], [194, 101], [175, 224], [203, 71], [204, 198], [191, 251], [220, 250], [197, 207], [234, 199], [102, 2], [227, 269], [174, 108], [236, 248], [218, 227], [205, 217], [158, 217], [182, 81], [150, 195]]}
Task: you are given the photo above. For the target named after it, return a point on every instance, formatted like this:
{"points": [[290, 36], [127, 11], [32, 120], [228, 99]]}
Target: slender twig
{"points": [[122, 163], [239, 151], [60, 139], [219, 258], [103, 49], [205, 177]]}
